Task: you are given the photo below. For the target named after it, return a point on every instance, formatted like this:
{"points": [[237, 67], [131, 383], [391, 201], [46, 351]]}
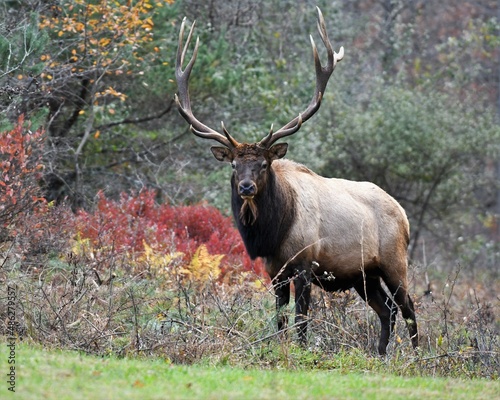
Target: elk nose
{"points": [[246, 188]]}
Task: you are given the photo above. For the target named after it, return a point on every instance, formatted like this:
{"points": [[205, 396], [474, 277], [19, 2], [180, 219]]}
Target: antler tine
{"points": [[182, 98], [333, 57], [272, 137], [322, 76], [233, 142], [188, 40]]}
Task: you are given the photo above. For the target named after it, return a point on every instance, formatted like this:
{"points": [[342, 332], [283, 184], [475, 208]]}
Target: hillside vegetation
{"points": [[115, 235]]}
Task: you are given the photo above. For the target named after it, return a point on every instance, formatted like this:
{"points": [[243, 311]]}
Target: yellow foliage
{"points": [[104, 42], [100, 26], [82, 246], [111, 92], [259, 285], [203, 266], [157, 260]]}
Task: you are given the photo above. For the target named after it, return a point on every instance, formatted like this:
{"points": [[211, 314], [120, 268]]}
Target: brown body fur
{"points": [[341, 225]]}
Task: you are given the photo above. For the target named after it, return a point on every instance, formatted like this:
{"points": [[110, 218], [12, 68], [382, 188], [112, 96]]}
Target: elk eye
{"points": [[233, 165], [263, 165]]}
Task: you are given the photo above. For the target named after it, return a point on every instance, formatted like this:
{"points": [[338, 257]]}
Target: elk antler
{"points": [[182, 100], [322, 76]]}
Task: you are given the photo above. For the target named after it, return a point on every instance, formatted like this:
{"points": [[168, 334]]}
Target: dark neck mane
{"points": [[275, 215]]}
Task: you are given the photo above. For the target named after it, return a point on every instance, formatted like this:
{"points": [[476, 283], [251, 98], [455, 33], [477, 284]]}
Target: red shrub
{"points": [[32, 226], [20, 169], [135, 221]]}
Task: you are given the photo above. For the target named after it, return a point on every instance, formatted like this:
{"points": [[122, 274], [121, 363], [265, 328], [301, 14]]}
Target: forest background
{"points": [[102, 179]]}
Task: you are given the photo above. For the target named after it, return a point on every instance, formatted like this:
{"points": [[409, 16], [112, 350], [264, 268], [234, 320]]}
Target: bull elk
{"points": [[335, 233]]}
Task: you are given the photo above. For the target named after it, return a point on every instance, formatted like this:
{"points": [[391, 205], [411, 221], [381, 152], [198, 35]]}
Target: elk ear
{"points": [[222, 153], [278, 151]]}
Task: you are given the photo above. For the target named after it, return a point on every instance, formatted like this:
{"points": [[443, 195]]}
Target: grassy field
{"points": [[56, 374]]}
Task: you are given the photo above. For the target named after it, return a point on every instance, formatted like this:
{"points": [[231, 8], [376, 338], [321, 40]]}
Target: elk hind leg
{"points": [[372, 292], [405, 304]]}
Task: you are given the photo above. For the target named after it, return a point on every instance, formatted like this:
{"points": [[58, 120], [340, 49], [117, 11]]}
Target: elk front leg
{"points": [[282, 292], [302, 282]]}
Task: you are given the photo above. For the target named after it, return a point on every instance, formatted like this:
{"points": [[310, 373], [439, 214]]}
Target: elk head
{"points": [[251, 162]]}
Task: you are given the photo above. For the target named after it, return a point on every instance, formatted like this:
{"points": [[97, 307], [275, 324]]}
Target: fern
{"points": [[158, 261], [204, 267]]}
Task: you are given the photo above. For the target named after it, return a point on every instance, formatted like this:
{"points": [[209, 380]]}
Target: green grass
{"points": [[56, 374]]}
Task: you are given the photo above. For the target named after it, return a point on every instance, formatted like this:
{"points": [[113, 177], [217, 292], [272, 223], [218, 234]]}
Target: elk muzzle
{"points": [[247, 189]]}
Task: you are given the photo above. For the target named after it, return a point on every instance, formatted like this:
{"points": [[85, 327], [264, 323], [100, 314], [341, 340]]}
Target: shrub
{"points": [[30, 228], [20, 169], [137, 225]]}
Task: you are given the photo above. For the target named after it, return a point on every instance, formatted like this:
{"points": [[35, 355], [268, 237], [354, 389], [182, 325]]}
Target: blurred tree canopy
{"points": [[411, 107]]}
